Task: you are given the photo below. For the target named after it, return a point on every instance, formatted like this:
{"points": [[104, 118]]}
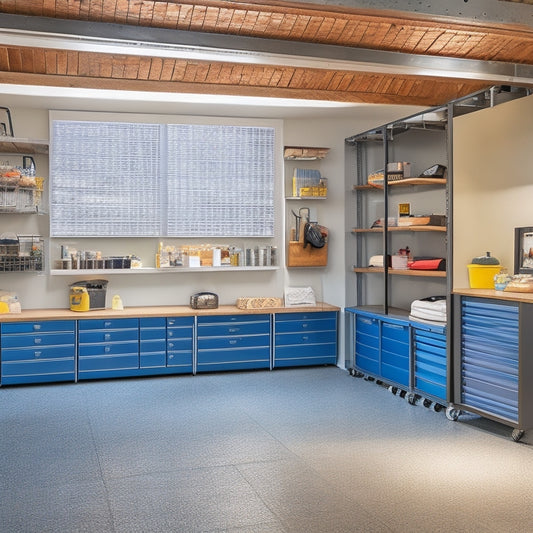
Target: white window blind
{"points": [[220, 181], [178, 180], [105, 179]]}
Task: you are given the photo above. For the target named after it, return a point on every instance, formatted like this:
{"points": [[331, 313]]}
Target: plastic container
{"points": [[482, 276]]}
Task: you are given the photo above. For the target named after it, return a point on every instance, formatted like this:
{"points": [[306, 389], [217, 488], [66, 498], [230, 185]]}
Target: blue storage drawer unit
{"points": [[430, 360], [382, 346], [152, 343], [38, 352], [233, 342], [180, 344], [108, 348], [303, 339], [490, 357]]}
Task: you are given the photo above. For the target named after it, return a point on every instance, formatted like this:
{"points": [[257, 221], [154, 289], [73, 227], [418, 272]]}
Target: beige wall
{"points": [[492, 183]]}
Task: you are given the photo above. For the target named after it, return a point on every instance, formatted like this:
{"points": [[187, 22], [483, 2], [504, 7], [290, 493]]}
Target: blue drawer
{"points": [[42, 326], [299, 351], [395, 374], [29, 371], [247, 328], [284, 317], [222, 319], [179, 333], [395, 332], [152, 334], [104, 349], [211, 343], [180, 321], [394, 359], [366, 365], [114, 323], [153, 322], [370, 352], [38, 339], [180, 344], [156, 345], [367, 340], [324, 324], [119, 335], [235, 355], [367, 325], [116, 362], [153, 359], [228, 356], [430, 387], [393, 346], [179, 358], [44, 352], [311, 337]]}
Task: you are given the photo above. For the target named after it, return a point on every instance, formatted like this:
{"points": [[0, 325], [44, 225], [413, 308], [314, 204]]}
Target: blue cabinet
{"points": [[381, 346], [489, 365], [180, 344], [233, 342], [166, 345], [38, 352], [429, 360], [108, 348], [305, 339]]}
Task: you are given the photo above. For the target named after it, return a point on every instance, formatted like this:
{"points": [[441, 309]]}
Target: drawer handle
{"points": [[107, 324], [37, 340], [107, 336], [234, 330], [233, 342], [38, 354], [107, 349], [171, 345], [170, 356], [170, 334], [171, 321], [304, 325], [36, 327], [305, 338]]}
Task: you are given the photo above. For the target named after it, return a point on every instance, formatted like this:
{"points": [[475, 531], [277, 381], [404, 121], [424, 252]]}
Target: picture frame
{"points": [[523, 250]]}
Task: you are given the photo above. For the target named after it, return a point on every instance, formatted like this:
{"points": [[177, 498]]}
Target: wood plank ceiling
{"points": [[388, 31]]}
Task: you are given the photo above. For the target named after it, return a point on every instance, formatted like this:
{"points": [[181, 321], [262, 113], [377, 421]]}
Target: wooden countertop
{"points": [[526, 297], [153, 311]]}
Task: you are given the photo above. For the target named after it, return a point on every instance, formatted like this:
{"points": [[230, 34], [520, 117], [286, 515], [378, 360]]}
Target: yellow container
{"points": [[482, 276]]}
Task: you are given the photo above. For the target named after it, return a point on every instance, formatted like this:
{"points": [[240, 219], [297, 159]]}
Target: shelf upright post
{"points": [[386, 222]]}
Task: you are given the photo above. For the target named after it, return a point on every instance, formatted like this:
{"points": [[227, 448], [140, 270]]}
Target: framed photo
{"points": [[523, 250]]}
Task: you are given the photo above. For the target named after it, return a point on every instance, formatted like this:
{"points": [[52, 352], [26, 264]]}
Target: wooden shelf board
{"points": [[414, 273], [401, 183], [401, 228], [17, 145]]}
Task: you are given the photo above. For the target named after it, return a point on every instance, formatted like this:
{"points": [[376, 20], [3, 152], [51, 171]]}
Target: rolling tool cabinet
{"points": [[493, 367], [38, 352]]}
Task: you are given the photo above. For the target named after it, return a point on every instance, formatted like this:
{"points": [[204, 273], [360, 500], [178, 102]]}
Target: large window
{"points": [[134, 179]]}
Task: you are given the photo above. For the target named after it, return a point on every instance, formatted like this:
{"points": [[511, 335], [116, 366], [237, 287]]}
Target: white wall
{"points": [[492, 183]]}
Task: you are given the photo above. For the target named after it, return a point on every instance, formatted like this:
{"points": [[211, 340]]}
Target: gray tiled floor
{"points": [[303, 450]]}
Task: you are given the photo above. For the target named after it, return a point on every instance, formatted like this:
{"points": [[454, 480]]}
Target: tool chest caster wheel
{"points": [[427, 403], [369, 378], [403, 393], [437, 407], [452, 414], [412, 398], [394, 390], [517, 434]]}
